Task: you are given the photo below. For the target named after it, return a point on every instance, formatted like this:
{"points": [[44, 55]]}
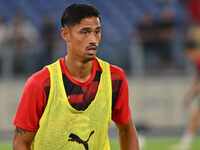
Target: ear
{"points": [[65, 34]]}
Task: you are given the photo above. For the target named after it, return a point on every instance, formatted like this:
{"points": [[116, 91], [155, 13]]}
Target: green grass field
{"points": [[150, 144], [166, 143]]}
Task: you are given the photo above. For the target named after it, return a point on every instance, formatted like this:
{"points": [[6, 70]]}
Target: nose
{"points": [[93, 39]]}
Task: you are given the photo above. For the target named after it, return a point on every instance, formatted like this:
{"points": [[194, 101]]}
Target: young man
{"points": [[69, 104], [185, 143]]}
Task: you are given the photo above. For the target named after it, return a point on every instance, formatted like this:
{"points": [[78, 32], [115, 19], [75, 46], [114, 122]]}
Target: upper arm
{"points": [[128, 136], [126, 127], [195, 88], [22, 139]]}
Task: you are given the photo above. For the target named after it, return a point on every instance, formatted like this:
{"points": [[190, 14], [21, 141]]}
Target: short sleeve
{"points": [[31, 106], [198, 65], [121, 111]]}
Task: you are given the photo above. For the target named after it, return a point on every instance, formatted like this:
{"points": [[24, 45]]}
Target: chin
{"points": [[90, 58]]}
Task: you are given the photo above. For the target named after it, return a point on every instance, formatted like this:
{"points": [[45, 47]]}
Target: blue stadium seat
{"points": [[118, 17]]}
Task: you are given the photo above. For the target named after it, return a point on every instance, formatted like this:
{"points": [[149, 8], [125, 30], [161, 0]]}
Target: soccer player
{"points": [[70, 103], [193, 54]]}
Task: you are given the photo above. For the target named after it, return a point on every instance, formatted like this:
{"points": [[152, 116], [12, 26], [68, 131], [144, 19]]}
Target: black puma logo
{"points": [[73, 137]]}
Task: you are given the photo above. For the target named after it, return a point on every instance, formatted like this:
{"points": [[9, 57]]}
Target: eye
{"points": [[97, 31], [84, 32]]}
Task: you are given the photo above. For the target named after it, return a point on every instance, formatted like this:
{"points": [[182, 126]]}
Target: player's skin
{"points": [[193, 92], [127, 136], [22, 139], [193, 55], [82, 42]]}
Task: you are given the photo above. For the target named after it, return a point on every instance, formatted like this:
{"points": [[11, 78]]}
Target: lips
{"points": [[92, 50]]}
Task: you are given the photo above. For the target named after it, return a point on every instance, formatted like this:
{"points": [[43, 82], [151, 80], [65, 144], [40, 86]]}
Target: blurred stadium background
{"points": [[144, 37]]}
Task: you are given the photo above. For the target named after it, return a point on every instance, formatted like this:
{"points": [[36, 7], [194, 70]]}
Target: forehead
{"points": [[91, 22]]}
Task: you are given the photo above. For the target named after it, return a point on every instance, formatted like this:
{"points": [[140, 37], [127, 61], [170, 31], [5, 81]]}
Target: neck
{"points": [[79, 71]]}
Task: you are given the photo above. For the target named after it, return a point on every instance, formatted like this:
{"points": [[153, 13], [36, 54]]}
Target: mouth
{"points": [[92, 50]]}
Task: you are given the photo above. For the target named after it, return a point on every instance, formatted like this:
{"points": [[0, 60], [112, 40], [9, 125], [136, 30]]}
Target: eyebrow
{"points": [[87, 28], [98, 27]]}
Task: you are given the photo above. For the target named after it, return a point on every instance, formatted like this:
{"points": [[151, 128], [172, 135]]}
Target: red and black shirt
{"points": [[80, 95]]}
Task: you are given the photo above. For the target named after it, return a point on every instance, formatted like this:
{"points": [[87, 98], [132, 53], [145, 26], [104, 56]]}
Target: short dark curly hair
{"points": [[73, 14]]}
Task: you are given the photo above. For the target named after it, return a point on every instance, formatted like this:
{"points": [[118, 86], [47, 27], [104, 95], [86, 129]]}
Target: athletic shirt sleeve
{"points": [[121, 111], [198, 65], [31, 106]]}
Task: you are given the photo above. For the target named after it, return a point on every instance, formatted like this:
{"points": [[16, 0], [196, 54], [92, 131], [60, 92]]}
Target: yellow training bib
{"points": [[62, 127]]}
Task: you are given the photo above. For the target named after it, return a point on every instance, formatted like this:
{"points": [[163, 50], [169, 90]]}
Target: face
{"points": [[83, 39]]}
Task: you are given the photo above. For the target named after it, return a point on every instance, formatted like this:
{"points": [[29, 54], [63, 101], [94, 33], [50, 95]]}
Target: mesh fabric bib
{"points": [[62, 127]]}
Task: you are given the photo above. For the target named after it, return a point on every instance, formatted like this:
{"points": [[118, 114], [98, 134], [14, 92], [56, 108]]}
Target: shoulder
{"points": [[39, 78], [117, 73], [116, 69]]}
